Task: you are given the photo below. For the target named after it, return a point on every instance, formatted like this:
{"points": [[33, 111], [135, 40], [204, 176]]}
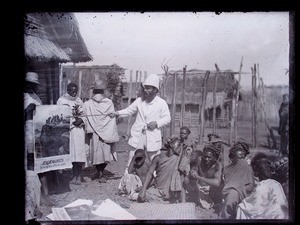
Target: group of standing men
{"points": [[94, 123]]}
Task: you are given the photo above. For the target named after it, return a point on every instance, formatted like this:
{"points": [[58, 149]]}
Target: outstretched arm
{"points": [[130, 110]]}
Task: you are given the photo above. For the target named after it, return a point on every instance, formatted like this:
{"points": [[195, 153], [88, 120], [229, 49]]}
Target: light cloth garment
{"points": [[101, 124], [29, 126], [268, 201], [77, 134], [33, 184], [31, 98], [32, 195], [103, 128], [157, 110], [130, 185]]}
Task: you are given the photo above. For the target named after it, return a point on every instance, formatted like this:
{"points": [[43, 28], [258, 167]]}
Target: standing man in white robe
{"points": [[77, 132], [152, 114]]}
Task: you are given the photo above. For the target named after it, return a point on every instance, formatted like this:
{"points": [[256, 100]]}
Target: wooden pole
{"points": [[190, 117], [140, 77], [202, 108], [173, 111], [182, 98], [128, 103], [253, 69], [136, 83], [60, 79], [255, 108], [214, 98], [145, 75], [164, 130], [79, 83], [237, 101], [130, 89]]}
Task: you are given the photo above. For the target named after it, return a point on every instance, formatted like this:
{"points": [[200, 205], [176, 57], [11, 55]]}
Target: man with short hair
{"points": [[37, 191], [77, 132], [152, 114], [205, 179]]}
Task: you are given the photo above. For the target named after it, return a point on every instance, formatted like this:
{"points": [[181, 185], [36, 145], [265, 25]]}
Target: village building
{"points": [[51, 39]]}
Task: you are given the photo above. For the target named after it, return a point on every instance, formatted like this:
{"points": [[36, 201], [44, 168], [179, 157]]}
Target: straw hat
{"points": [[32, 77], [152, 80]]}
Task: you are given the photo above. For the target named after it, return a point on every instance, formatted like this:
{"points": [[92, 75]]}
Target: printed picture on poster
{"points": [[51, 137]]}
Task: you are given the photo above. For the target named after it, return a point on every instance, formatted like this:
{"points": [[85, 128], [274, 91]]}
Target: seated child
{"points": [[131, 183]]}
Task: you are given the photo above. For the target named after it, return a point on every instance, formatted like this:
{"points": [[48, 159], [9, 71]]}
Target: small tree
{"points": [[115, 85]]}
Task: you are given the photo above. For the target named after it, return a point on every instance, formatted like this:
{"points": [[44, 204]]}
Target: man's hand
{"points": [[29, 111], [78, 122], [113, 114], [194, 174], [152, 125], [141, 196]]}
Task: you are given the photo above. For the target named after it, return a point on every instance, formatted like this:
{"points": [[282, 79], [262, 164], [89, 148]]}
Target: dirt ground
{"points": [[63, 193]]}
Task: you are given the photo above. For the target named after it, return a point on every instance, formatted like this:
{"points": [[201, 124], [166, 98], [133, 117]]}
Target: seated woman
{"points": [[268, 200]]}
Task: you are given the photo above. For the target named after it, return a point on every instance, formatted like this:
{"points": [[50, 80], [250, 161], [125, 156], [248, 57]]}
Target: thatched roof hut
{"points": [[54, 36], [194, 86], [51, 39]]}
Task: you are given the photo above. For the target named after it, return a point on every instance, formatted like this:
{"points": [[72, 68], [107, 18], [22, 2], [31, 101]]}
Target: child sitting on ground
{"points": [[131, 183]]}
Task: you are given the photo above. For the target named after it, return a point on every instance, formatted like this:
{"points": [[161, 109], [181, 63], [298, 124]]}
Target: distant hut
{"points": [[49, 40], [194, 85]]}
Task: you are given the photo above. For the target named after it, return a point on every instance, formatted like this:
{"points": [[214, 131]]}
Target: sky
{"points": [[146, 41]]}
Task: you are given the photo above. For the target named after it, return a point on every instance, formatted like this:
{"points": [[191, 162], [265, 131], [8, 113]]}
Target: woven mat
{"points": [[163, 211]]}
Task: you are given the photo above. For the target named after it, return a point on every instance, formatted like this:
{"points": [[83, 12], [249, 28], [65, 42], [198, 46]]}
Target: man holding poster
{"points": [[34, 182]]}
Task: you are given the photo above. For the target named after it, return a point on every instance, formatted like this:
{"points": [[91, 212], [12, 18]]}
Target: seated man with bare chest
{"points": [[205, 179]]}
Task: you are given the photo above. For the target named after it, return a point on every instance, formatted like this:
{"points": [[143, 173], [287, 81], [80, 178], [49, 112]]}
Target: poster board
{"points": [[51, 125]]}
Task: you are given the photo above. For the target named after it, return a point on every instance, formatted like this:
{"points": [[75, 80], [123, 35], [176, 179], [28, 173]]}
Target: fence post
{"points": [[182, 98], [173, 110], [202, 108]]}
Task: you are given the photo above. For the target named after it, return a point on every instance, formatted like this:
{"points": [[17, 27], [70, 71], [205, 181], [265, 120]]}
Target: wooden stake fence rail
{"points": [[202, 108], [182, 98]]}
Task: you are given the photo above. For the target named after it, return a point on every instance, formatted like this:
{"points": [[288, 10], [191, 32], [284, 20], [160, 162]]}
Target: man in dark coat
{"points": [[284, 125]]}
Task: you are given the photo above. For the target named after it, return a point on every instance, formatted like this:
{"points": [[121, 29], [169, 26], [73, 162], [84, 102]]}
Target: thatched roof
{"points": [[54, 36], [43, 50]]}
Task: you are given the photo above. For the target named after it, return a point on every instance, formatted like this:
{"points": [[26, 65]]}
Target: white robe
{"points": [[268, 201], [77, 134]]}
